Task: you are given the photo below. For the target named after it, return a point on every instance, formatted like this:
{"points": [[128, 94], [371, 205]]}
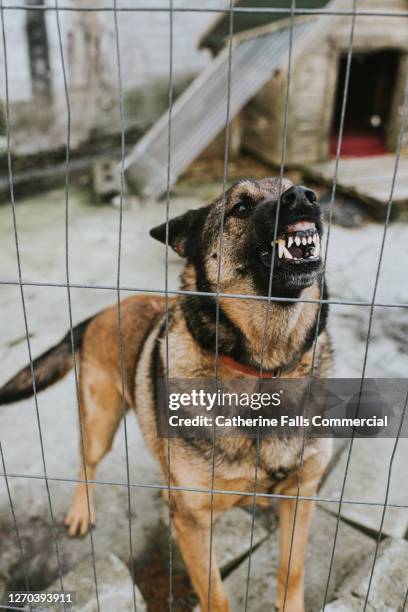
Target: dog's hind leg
{"points": [[101, 410]]}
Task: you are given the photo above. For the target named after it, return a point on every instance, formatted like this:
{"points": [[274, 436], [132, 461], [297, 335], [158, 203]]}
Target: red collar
{"points": [[247, 369]]}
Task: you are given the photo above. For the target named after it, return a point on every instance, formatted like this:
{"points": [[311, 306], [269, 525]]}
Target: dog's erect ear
{"points": [[180, 230]]}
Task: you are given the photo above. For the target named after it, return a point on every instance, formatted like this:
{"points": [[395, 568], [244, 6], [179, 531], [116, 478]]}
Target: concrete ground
{"points": [[93, 248]]}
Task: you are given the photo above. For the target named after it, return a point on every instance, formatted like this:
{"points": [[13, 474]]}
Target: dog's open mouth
{"points": [[296, 243]]}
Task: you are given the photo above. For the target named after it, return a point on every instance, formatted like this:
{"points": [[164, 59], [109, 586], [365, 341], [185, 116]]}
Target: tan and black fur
{"points": [[292, 328]]}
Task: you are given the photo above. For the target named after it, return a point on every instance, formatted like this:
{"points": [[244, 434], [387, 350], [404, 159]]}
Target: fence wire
{"points": [[231, 11], [85, 466], [272, 298], [268, 303], [121, 348], [166, 297], [218, 283], [217, 10]]}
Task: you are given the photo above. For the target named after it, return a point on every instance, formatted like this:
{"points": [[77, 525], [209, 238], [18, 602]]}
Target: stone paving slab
{"points": [[388, 586], [115, 587], [367, 178], [367, 480], [228, 546], [352, 547]]}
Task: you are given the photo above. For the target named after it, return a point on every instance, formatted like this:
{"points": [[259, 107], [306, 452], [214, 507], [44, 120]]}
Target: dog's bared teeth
{"points": [[287, 254], [305, 238]]}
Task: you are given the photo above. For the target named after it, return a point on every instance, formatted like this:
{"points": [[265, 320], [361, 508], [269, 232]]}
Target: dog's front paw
{"points": [[80, 516]]}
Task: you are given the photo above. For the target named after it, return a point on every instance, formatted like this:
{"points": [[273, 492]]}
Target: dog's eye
{"points": [[242, 210]]}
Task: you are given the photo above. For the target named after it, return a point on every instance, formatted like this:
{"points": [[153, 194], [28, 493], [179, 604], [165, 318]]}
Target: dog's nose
{"points": [[298, 196]]}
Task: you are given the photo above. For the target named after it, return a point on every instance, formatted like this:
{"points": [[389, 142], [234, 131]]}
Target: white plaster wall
{"points": [[90, 54], [18, 64]]}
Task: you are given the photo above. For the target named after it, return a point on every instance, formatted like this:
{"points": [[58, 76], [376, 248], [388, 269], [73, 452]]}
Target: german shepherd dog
{"points": [[250, 209]]}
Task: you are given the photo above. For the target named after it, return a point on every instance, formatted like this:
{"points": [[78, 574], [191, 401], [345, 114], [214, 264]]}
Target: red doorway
{"points": [[369, 99]]}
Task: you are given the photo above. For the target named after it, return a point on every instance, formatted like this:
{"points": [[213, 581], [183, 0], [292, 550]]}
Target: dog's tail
{"points": [[48, 368]]}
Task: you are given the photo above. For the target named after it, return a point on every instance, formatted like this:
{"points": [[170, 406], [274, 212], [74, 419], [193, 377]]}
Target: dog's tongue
{"points": [[300, 226]]}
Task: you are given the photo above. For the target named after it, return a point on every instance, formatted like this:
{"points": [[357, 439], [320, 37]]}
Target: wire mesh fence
{"points": [[291, 13]]}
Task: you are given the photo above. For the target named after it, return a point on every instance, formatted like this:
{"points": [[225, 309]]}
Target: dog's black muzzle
{"points": [[296, 243], [297, 204]]}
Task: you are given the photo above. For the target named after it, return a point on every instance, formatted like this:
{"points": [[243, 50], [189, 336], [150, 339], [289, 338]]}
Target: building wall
{"points": [[313, 87], [39, 118], [263, 120]]}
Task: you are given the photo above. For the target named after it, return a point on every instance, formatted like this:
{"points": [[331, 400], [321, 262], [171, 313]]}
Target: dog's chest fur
{"points": [[236, 458]]}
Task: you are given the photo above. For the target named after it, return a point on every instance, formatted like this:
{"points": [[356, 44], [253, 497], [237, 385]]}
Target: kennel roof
{"points": [[215, 37], [200, 112]]}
